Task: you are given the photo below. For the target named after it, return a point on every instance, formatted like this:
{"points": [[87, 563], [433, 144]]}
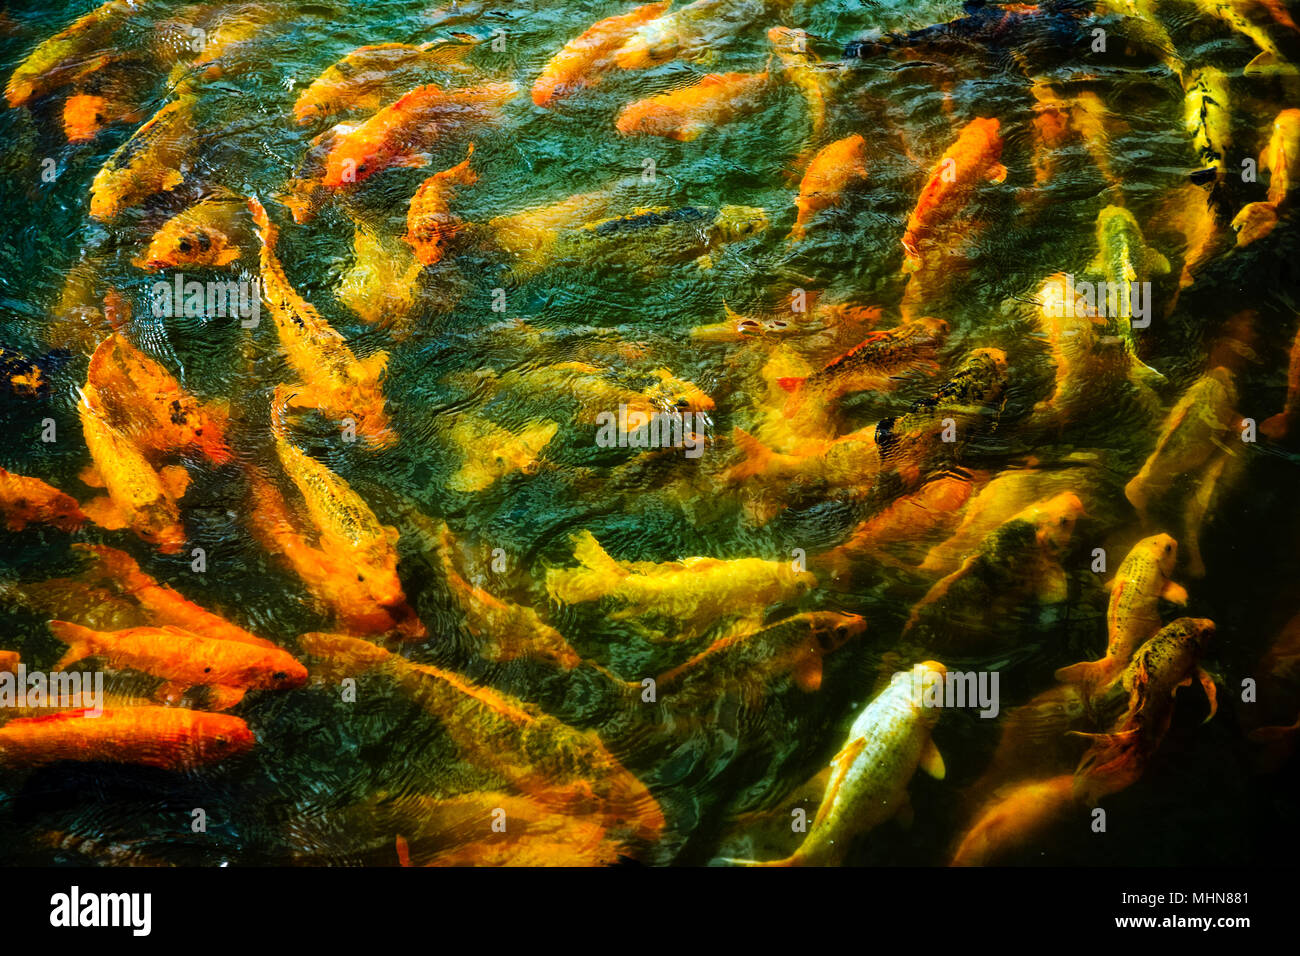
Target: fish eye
{"points": [[207, 670], [1168, 549], [279, 675]]}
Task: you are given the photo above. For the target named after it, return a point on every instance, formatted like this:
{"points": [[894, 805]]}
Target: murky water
{"points": [[335, 781]]}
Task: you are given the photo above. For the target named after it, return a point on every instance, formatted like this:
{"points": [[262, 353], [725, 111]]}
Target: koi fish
{"points": [[25, 501], [888, 741], [71, 53], [334, 380], [697, 592], [585, 58], [143, 399], [950, 185], [150, 162], [369, 76], [163, 604], [183, 660], [170, 738], [683, 114], [429, 221], [212, 232], [1132, 615], [138, 497], [491, 452], [829, 172], [567, 770], [1014, 819]]}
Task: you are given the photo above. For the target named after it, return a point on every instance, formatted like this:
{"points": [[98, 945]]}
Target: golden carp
{"points": [[362, 599], [685, 113], [1166, 662], [585, 58], [150, 162], [429, 220], [213, 232], [1016, 818], [888, 741], [697, 30], [394, 136], [183, 660], [1194, 433], [1208, 122], [138, 497], [491, 452], [1019, 562], [507, 630], [1133, 615], [696, 592], [170, 738], [829, 172], [951, 183], [163, 604], [71, 53], [145, 401], [795, 646], [1231, 13], [333, 379], [25, 501], [1281, 157], [380, 285], [368, 77]]}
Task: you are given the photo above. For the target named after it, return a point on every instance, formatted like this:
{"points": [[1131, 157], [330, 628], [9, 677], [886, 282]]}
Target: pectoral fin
{"points": [[171, 692], [932, 761], [808, 674], [175, 480], [1174, 593], [997, 173], [1211, 691], [90, 476], [103, 512], [221, 697]]}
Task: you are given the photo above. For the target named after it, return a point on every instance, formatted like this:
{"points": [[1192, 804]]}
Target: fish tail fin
{"points": [[1113, 763], [1268, 63], [403, 851], [1087, 673], [80, 641], [588, 552], [757, 455]]}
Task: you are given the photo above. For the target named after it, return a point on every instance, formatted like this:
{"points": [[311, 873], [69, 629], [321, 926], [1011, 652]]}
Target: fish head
{"points": [[221, 736], [1056, 521], [180, 243], [1163, 550], [995, 360], [1255, 221], [831, 630], [675, 393], [160, 527], [647, 116], [290, 675]]}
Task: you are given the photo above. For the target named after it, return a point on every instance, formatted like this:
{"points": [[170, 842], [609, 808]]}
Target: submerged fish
{"points": [[213, 232], [333, 379], [1166, 662], [560, 767], [170, 738], [138, 497], [150, 162], [697, 592], [147, 403], [71, 53], [1017, 817], [429, 220], [25, 501], [1133, 615], [1209, 122], [491, 452], [829, 172], [951, 183], [365, 79], [683, 114], [584, 59], [888, 741], [183, 660]]}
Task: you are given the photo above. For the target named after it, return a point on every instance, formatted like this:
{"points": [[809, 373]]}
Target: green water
{"points": [[301, 795]]}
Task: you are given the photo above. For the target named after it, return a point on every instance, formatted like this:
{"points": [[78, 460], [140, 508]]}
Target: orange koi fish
{"points": [[684, 114], [829, 173], [25, 501], [170, 738], [582, 60], [429, 221]]}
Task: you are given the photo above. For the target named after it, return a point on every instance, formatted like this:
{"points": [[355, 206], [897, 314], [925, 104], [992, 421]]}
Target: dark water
{"points": [[306, 793]]}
